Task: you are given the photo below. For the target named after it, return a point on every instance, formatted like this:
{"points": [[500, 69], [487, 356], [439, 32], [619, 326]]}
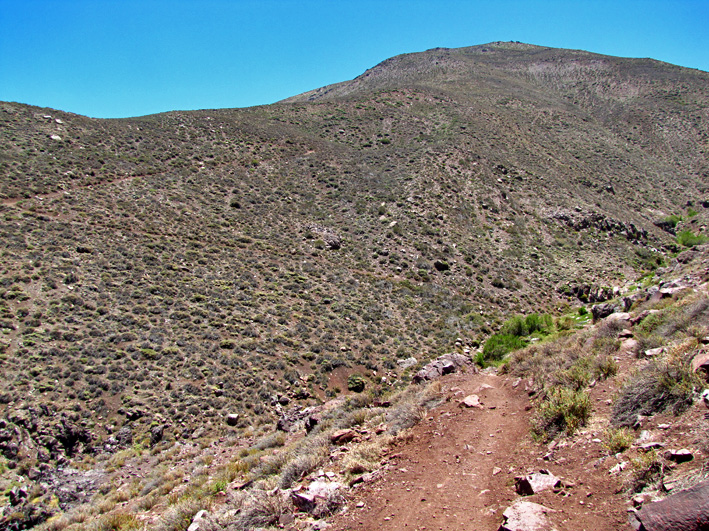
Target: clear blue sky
{"points": [[117, 58]]}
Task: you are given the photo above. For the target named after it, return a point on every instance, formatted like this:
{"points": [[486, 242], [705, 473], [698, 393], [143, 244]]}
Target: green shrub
{"points": [[499, 345], [688, 239], [356, 383], [563, 410]]}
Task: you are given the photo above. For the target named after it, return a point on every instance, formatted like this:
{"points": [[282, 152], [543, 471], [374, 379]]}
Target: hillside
{"points": [[160, 273]]}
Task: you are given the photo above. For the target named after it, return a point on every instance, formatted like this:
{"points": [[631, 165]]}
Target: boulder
{"points": [[687, 510], [232, 419], [601, 311], [156, 433], [526, 516]]}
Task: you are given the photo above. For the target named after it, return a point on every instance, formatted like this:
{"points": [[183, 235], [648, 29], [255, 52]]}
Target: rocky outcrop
{"points": [[579, 221], [445, 364]]}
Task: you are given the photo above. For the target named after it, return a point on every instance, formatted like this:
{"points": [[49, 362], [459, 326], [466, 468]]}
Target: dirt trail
{"points": [[457, 470]]}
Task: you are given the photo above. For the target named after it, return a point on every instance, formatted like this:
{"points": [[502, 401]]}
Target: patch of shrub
{"points": [[356, 383], [667, 383], [687, 238], [562, 410], [498, 346], [617, 440]]}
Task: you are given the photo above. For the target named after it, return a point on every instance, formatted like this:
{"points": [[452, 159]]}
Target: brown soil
{"points": [[456, 470]]}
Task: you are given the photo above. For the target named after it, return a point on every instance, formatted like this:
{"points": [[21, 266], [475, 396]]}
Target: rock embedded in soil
{"points": [[537, 482], [526, 516]]}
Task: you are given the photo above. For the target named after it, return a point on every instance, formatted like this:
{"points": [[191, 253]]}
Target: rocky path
{"points": [[457, 470]]}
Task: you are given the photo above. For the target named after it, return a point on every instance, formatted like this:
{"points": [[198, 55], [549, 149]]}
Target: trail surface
{"points": [[457, 470]]}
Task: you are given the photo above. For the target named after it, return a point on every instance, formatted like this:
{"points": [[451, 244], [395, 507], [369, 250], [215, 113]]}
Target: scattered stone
{"points": [[679, 456], [700, 364], [650, 353], [406, 363], [198, 522], [344, 436], [526, 516], [687, 510], [55, 137], [537, 482], [471, 401]]}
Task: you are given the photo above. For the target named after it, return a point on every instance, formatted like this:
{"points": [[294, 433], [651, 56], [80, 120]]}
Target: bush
{"points": [[617, 440], [563, 410], [499, 345], [688, 239], [356, 383], [665, 384]]}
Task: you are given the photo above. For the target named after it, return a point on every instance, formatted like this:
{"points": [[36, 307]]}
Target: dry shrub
{"points": [[617, 440], [310, 453], [365, 457], [410, 406], [646, 470], [117, 521], [562, 410], [667, 383], [179, 516], [264, 509]]}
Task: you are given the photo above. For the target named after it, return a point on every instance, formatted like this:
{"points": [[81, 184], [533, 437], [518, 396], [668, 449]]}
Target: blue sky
{"points": [[118, 58]]}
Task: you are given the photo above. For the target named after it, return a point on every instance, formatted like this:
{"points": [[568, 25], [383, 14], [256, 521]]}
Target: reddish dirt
{"points": [[456, 470]]}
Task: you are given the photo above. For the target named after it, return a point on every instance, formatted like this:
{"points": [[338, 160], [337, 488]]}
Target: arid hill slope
{"points": [[168, 270]]}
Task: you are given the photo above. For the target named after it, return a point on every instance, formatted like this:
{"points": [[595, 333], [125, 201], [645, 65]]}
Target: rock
{"points": [[344, 436], [471, 401], [679, 456], [654, 445], [526, 516], [406, 363], [687, 510], [442, 365], [198, 522], [232, 419], [303, 501], [537, 482], [156, 433], [700, 364], [623, 318], [601, 311], [654, 352], [124, 436]]}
